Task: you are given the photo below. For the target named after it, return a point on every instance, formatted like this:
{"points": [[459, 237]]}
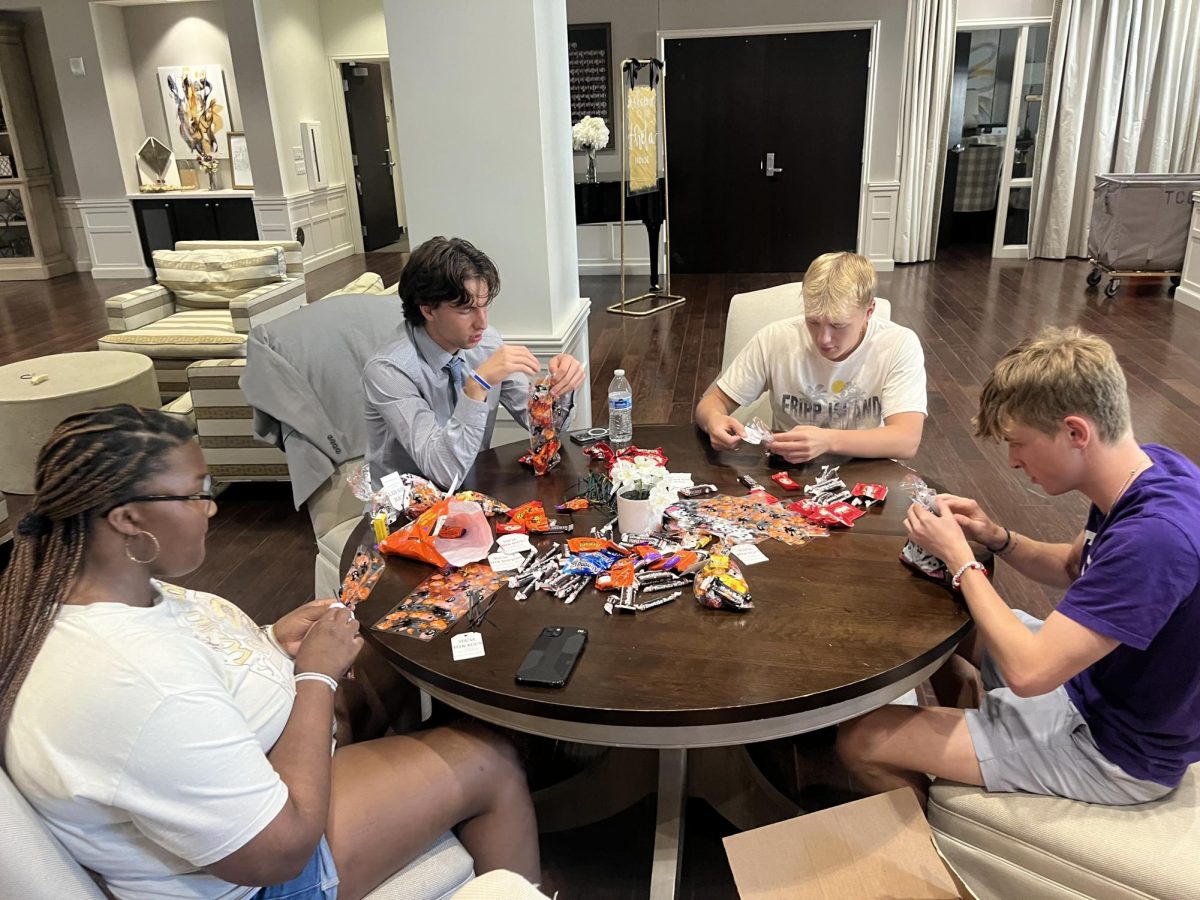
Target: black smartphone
{"points": [[552, 657], [589, 436]]}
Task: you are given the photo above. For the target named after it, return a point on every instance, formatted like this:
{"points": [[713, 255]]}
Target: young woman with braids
{"points": [[177, 749]]}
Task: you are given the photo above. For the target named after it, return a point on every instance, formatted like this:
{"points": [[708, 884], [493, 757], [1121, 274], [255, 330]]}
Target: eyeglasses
{"points": [[206, 495]]}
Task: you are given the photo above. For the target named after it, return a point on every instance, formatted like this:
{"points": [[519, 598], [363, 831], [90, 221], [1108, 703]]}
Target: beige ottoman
{"points": [[1017, 845], [73, 383]]}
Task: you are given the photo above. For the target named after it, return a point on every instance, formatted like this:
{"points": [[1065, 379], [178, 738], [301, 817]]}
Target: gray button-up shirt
{"points": [[413, 423]]}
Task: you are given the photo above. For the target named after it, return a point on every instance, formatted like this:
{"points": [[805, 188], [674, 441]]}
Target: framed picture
{"points": [[239, 162], [589, 61], [197, 91]]}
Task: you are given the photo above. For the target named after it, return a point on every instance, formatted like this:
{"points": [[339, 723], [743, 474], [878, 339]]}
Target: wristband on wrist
{"points": [[479, 380], [317, 676], [1002, 547], [956, 581], [268, 632]]}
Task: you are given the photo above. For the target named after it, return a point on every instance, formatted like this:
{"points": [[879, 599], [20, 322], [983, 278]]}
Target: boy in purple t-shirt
{"points": [[1101, 702]]}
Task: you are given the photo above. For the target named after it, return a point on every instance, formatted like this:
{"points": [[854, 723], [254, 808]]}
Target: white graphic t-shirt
{"points": [[885, 375], [141, 734]]}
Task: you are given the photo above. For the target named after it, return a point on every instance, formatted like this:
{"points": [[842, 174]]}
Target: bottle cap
{"points": [[619, 372]]}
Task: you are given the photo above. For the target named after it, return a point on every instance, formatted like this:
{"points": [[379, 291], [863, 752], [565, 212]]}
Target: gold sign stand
{"points": [[656, 300]]}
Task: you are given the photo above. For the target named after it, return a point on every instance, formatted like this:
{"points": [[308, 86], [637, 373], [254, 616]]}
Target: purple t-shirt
{"points": [[1140, 584]]}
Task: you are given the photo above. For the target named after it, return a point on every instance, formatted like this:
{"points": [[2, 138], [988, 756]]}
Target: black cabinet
{"points": [[163, 221]]}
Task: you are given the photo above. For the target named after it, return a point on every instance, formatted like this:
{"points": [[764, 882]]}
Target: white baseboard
{"points": [[879, 224], [1188, 297], [120, 272], [331, 256], [599, 249]]}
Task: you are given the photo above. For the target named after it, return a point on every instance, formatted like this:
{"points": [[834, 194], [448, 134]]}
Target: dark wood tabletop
{"points": [[833, 620]]}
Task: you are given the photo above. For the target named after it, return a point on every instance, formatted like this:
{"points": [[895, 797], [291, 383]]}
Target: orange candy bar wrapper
{"points": [[415, 540], [592, 545], [364, 572], [531, 515]]}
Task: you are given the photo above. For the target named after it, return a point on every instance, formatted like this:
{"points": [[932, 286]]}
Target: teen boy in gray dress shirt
{"points": [[431, 395]]}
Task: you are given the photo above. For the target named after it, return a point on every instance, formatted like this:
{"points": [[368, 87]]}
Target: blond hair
{"points": [[837, 284], [1059, 372]]}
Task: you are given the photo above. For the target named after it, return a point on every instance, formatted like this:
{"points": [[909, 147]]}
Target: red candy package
{"points": [[608, 455], [876, 492], [785, 481], [510, 528], [844, 513]]}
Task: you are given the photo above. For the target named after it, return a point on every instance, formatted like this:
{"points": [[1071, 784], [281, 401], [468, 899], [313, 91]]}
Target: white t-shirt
{"points": [[885, 375], [141, 735]]}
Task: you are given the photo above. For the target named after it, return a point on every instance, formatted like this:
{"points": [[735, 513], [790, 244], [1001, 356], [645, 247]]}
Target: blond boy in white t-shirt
{"points": [[842, 378]]}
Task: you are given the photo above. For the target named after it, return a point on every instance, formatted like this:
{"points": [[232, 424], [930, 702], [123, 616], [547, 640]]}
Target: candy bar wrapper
{"points": [[439, 601], [757, 432], [362, 576], [547, 416], [911, 555], [876, 492], [606, 454]]}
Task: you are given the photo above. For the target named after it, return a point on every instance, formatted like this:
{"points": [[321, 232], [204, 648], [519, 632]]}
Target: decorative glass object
{"points": [[591, 169], [157, 157]]}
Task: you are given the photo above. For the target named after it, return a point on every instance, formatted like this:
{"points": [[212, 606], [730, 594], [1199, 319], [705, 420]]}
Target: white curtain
{"points": [[928, 71], [1123, 95]]}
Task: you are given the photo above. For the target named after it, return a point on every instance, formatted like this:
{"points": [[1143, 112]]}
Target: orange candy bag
{"points": [[415, 540]]}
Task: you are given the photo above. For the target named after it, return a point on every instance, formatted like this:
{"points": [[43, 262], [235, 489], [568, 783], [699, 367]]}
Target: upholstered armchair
{"points": [[208, 297]]}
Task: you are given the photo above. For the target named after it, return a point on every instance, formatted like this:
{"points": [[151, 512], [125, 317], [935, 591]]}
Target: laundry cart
{"points": [[1139, 227]]}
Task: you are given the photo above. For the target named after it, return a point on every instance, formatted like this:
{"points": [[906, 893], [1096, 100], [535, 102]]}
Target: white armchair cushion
{"points": [[210, 279], [191, 334]]}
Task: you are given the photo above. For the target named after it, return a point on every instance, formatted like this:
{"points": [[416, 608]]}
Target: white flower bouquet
{"points": [[589, 133]]}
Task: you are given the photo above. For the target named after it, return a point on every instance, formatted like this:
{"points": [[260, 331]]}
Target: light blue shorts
{"points": [[318, 881], [1042, 745]]}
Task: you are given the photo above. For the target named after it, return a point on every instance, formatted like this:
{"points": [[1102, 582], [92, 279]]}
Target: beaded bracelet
{"points": [[317, 676], [956, 581]]}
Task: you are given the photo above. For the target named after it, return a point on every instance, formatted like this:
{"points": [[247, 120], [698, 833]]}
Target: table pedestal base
{"points": [[725, 777]]}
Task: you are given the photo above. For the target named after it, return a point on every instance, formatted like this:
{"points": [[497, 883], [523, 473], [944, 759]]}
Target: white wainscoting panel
{"points": [[113, 244], [74, 235], [600, 249], [880, 224], [324, 216]]}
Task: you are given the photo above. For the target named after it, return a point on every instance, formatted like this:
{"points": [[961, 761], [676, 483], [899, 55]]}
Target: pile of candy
{"points": [[636, 566], [829, 501], [609, 456], [531, 518]]}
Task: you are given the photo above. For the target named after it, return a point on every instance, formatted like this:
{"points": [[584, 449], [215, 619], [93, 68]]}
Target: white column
{"points": [[483, 119]]}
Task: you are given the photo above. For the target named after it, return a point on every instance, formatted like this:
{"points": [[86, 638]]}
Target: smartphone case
{"points": [[552, 656]]}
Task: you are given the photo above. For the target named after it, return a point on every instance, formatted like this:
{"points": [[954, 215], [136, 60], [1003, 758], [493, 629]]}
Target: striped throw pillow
{"points": [[209, 279]]}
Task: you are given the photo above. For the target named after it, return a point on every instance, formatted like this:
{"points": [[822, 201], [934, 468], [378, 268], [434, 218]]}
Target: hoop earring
{"points": [[144, 562]]}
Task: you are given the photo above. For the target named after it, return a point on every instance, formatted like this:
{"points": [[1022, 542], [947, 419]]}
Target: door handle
{"points": [[770, 169], [389, 164]]}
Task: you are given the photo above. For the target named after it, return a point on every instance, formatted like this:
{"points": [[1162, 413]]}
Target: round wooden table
{"points": [[839, 627]]}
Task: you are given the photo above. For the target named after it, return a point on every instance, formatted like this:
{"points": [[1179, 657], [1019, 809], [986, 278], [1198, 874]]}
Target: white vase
{"points": [[636, 516]]}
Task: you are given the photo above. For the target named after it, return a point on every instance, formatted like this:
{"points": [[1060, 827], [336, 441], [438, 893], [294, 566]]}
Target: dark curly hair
{"points": [[437, 273], [93, 461]]}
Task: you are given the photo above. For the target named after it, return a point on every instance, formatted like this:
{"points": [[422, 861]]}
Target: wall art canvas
{"points": [[196, 108]]}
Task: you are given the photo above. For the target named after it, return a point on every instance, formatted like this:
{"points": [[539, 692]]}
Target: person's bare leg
{"points": [[957, 684], [393, 797], [900, 746]]}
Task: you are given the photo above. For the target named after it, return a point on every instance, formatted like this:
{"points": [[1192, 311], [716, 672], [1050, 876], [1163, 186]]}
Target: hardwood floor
{"points": [[967, 309]]}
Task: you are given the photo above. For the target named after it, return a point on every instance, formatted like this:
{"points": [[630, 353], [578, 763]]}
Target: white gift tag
{"points": [[748, 554], [394, 488], [466, 646], [678, 480], [505, 562], [514, 543]]}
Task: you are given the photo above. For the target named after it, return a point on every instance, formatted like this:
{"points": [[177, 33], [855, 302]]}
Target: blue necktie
{"points": [[455, 368]]}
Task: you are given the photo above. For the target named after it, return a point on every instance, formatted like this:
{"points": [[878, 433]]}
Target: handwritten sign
{"points": [[589, 61], [641, 129]]}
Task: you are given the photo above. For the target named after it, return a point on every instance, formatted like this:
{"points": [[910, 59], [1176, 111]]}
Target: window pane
{"points": [[1016, 223], [14, 230], [1029, 109]]}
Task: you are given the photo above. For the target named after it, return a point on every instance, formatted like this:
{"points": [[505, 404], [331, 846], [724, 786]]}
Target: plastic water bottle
{"points": [[620, 411]]}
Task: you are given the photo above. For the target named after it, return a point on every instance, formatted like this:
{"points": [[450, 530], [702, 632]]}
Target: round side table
{"points": [[36, 394]]}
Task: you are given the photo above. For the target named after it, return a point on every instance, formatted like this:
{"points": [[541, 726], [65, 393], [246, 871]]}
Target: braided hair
{"points": [[92, 462]]}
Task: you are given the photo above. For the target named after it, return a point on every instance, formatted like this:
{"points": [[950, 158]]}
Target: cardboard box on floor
{"points": [[871, 849]]}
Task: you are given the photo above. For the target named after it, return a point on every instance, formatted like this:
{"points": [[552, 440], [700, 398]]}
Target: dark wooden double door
{"points": [[731, 101]]}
